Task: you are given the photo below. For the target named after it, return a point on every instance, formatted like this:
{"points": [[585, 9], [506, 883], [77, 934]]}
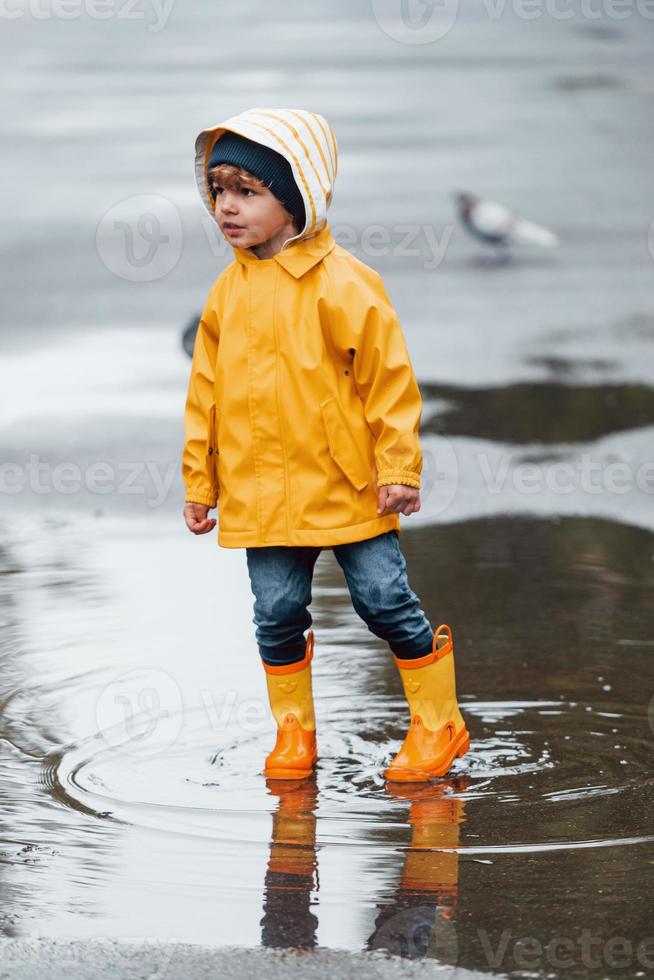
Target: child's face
{"points": [[251, 215]]}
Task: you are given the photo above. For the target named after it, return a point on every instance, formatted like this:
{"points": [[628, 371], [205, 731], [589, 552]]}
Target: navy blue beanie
{"points": [[268, 165]]}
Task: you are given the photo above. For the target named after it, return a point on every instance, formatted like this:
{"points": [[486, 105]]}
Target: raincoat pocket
{"points": [[342, 446], [212, 449]]}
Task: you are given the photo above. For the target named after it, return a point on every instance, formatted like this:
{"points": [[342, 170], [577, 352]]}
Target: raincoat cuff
{"points": [[406, 477], [201, 498]]}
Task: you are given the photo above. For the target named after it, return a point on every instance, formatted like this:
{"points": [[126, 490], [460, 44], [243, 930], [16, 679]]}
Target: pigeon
{"points": [[495, 225]]}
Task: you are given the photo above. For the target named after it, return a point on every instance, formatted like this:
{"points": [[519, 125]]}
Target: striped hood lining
{"points": [[304, 138]]}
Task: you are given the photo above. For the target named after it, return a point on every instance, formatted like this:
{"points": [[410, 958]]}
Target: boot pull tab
{"points": [[440, 647]]}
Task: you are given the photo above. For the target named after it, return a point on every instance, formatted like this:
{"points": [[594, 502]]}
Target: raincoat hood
{"points": [[304, 138]]}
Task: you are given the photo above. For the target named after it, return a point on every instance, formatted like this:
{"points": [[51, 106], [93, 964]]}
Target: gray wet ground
{"points": [[133, 716]]}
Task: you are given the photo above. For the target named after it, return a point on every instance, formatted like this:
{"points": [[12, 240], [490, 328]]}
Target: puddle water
{"points": [[545, 413], [134, 726]]}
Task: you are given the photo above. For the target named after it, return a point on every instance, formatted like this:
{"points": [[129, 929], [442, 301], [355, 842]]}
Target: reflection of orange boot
{"points": [[291, 701], [420, 919], [292, 875], [431, 865], [292, 848], [437, 734]]}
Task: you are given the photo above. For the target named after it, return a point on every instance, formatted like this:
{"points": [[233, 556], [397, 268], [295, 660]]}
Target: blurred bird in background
{"points": [[495, 225], [189, 332]]}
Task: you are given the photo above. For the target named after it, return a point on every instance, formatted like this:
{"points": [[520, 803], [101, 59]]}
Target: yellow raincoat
{"points": [[302, 400]]}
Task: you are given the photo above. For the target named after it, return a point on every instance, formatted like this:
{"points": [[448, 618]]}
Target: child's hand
{"points": [[196, 518], [399, 498]]}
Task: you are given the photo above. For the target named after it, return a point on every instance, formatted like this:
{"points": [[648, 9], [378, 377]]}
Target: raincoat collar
{"points": [[298, 257]]}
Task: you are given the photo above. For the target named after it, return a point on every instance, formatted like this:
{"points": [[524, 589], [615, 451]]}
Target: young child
{"points": [[302, 418]]}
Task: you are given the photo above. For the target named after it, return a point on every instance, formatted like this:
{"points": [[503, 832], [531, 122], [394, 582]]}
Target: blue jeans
{"points": [[375, 572]]}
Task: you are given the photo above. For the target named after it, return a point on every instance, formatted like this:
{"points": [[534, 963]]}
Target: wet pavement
{"points": [[133, 713]]}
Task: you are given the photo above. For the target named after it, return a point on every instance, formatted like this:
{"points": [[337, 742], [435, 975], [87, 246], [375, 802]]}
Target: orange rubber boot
{"points": [[291, 702], [437, 734]]}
